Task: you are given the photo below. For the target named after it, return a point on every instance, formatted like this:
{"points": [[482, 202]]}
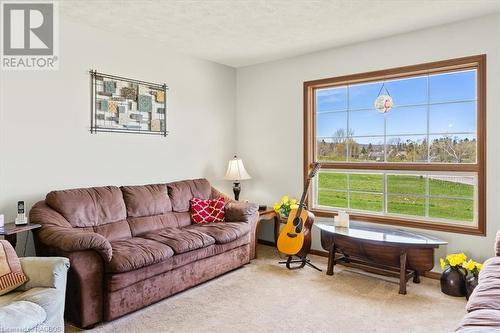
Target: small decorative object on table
{"points": [[284, 207], [342, 219], [472, 279], [236, 172], [453, 277], [21, 215]]}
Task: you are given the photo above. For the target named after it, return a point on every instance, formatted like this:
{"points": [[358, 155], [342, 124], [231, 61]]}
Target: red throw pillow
{"points": [[206, 211]]}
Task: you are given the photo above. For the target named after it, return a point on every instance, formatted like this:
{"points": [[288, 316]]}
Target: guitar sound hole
{"points": [[298, 229], [296, 221]]}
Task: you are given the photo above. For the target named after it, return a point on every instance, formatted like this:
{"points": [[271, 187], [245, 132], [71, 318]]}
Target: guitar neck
{"points": [[304, 196], [306, 188]]}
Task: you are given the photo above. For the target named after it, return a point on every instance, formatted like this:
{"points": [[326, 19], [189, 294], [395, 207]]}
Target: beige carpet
{"points": [[266, 297]]}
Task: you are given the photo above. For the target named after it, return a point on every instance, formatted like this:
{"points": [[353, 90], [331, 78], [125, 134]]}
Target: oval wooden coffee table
{"points": [[382, 250]]}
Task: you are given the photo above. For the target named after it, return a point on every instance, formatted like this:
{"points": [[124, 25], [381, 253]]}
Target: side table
{"points": [[265, 215], [10, 231]]}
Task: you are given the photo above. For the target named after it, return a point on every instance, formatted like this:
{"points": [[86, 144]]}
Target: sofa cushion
{"points": [[21, 316], [480, 321], [180, 240], [114, 231], [118, 281], [11, 272], [136, 252], [182, 192], [51, 300], [222, 232], [146, 224], [487, 294], [491, 270], [146, 200], [85, 207], [9, 297], [497, 243]]}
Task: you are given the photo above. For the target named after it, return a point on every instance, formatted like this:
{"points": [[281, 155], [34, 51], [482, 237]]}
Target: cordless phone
{"points": [[21, 215]]}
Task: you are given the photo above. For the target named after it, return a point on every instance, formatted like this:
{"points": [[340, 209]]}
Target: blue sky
{"points": [[402, 119]]}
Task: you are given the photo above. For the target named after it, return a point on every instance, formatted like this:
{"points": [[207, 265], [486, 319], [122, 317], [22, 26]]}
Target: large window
{"points": [[418, 162]]}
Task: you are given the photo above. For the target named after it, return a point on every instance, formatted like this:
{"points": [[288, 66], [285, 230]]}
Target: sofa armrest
{"points": [[241, 211], [497, 244], [70, 240], [85, 290], [244, 212], [44, 272], [236, 211]]}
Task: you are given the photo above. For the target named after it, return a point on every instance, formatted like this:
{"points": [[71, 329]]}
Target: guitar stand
{"points": [[302, 260]]}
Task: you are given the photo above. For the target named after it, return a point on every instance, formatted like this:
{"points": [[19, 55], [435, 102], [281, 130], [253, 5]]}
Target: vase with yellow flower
{"points": [[284, 207], [453, 277], [473, 268]]}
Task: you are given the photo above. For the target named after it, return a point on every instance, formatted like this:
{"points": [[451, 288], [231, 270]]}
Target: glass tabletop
{"points": [[380, 234]]}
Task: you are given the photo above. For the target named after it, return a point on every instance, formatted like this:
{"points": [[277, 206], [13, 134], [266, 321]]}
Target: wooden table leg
{"points": [[416, 277], [331, 260], [402, 272], [257, 226], [12, 239], [276, 229]]}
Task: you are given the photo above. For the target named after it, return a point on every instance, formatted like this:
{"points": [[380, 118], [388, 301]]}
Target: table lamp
{"points": [[236, 172]]}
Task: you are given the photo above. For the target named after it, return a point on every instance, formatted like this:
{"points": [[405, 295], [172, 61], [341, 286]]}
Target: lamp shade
{"points": [[236, 170]]}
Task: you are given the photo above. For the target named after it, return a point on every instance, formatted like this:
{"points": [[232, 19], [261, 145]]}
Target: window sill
{"points": [[406, 222]]}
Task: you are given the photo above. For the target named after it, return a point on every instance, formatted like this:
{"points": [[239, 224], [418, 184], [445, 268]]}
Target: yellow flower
{"points": [[294, 206], [456, 259], [479, 267], [469, 265], [442, 263], [293, 201], [276, 207], [284, 199]]}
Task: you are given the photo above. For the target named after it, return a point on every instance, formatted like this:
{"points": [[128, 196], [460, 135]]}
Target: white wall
{"points": [[270, 111], [45, 143]]}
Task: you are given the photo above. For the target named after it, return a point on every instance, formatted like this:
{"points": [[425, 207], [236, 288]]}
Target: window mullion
{"points": [[428, 120], [426, 207], [348, 143], [385, 137], [427, 194], [385, 194], [422, 167], [348, 194]]}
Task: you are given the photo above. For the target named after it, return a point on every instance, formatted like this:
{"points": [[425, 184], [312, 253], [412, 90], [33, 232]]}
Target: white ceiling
{"points": [[245, 32]]}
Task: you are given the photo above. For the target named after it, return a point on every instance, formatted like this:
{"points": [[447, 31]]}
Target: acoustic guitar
{"points": [[295, 238]]}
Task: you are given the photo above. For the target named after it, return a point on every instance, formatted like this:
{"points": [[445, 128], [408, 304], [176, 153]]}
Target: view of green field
{"points": [[406, 194]]}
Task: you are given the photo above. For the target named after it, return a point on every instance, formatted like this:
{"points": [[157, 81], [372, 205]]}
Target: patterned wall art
{"points": [[127, 106]]}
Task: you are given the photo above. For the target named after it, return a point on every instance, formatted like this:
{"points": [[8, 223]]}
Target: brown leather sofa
{"points": [[483, 306], [131, 246]]}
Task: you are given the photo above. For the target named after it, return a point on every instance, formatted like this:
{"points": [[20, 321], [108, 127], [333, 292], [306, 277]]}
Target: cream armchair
{"points": [[37, 305]]}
